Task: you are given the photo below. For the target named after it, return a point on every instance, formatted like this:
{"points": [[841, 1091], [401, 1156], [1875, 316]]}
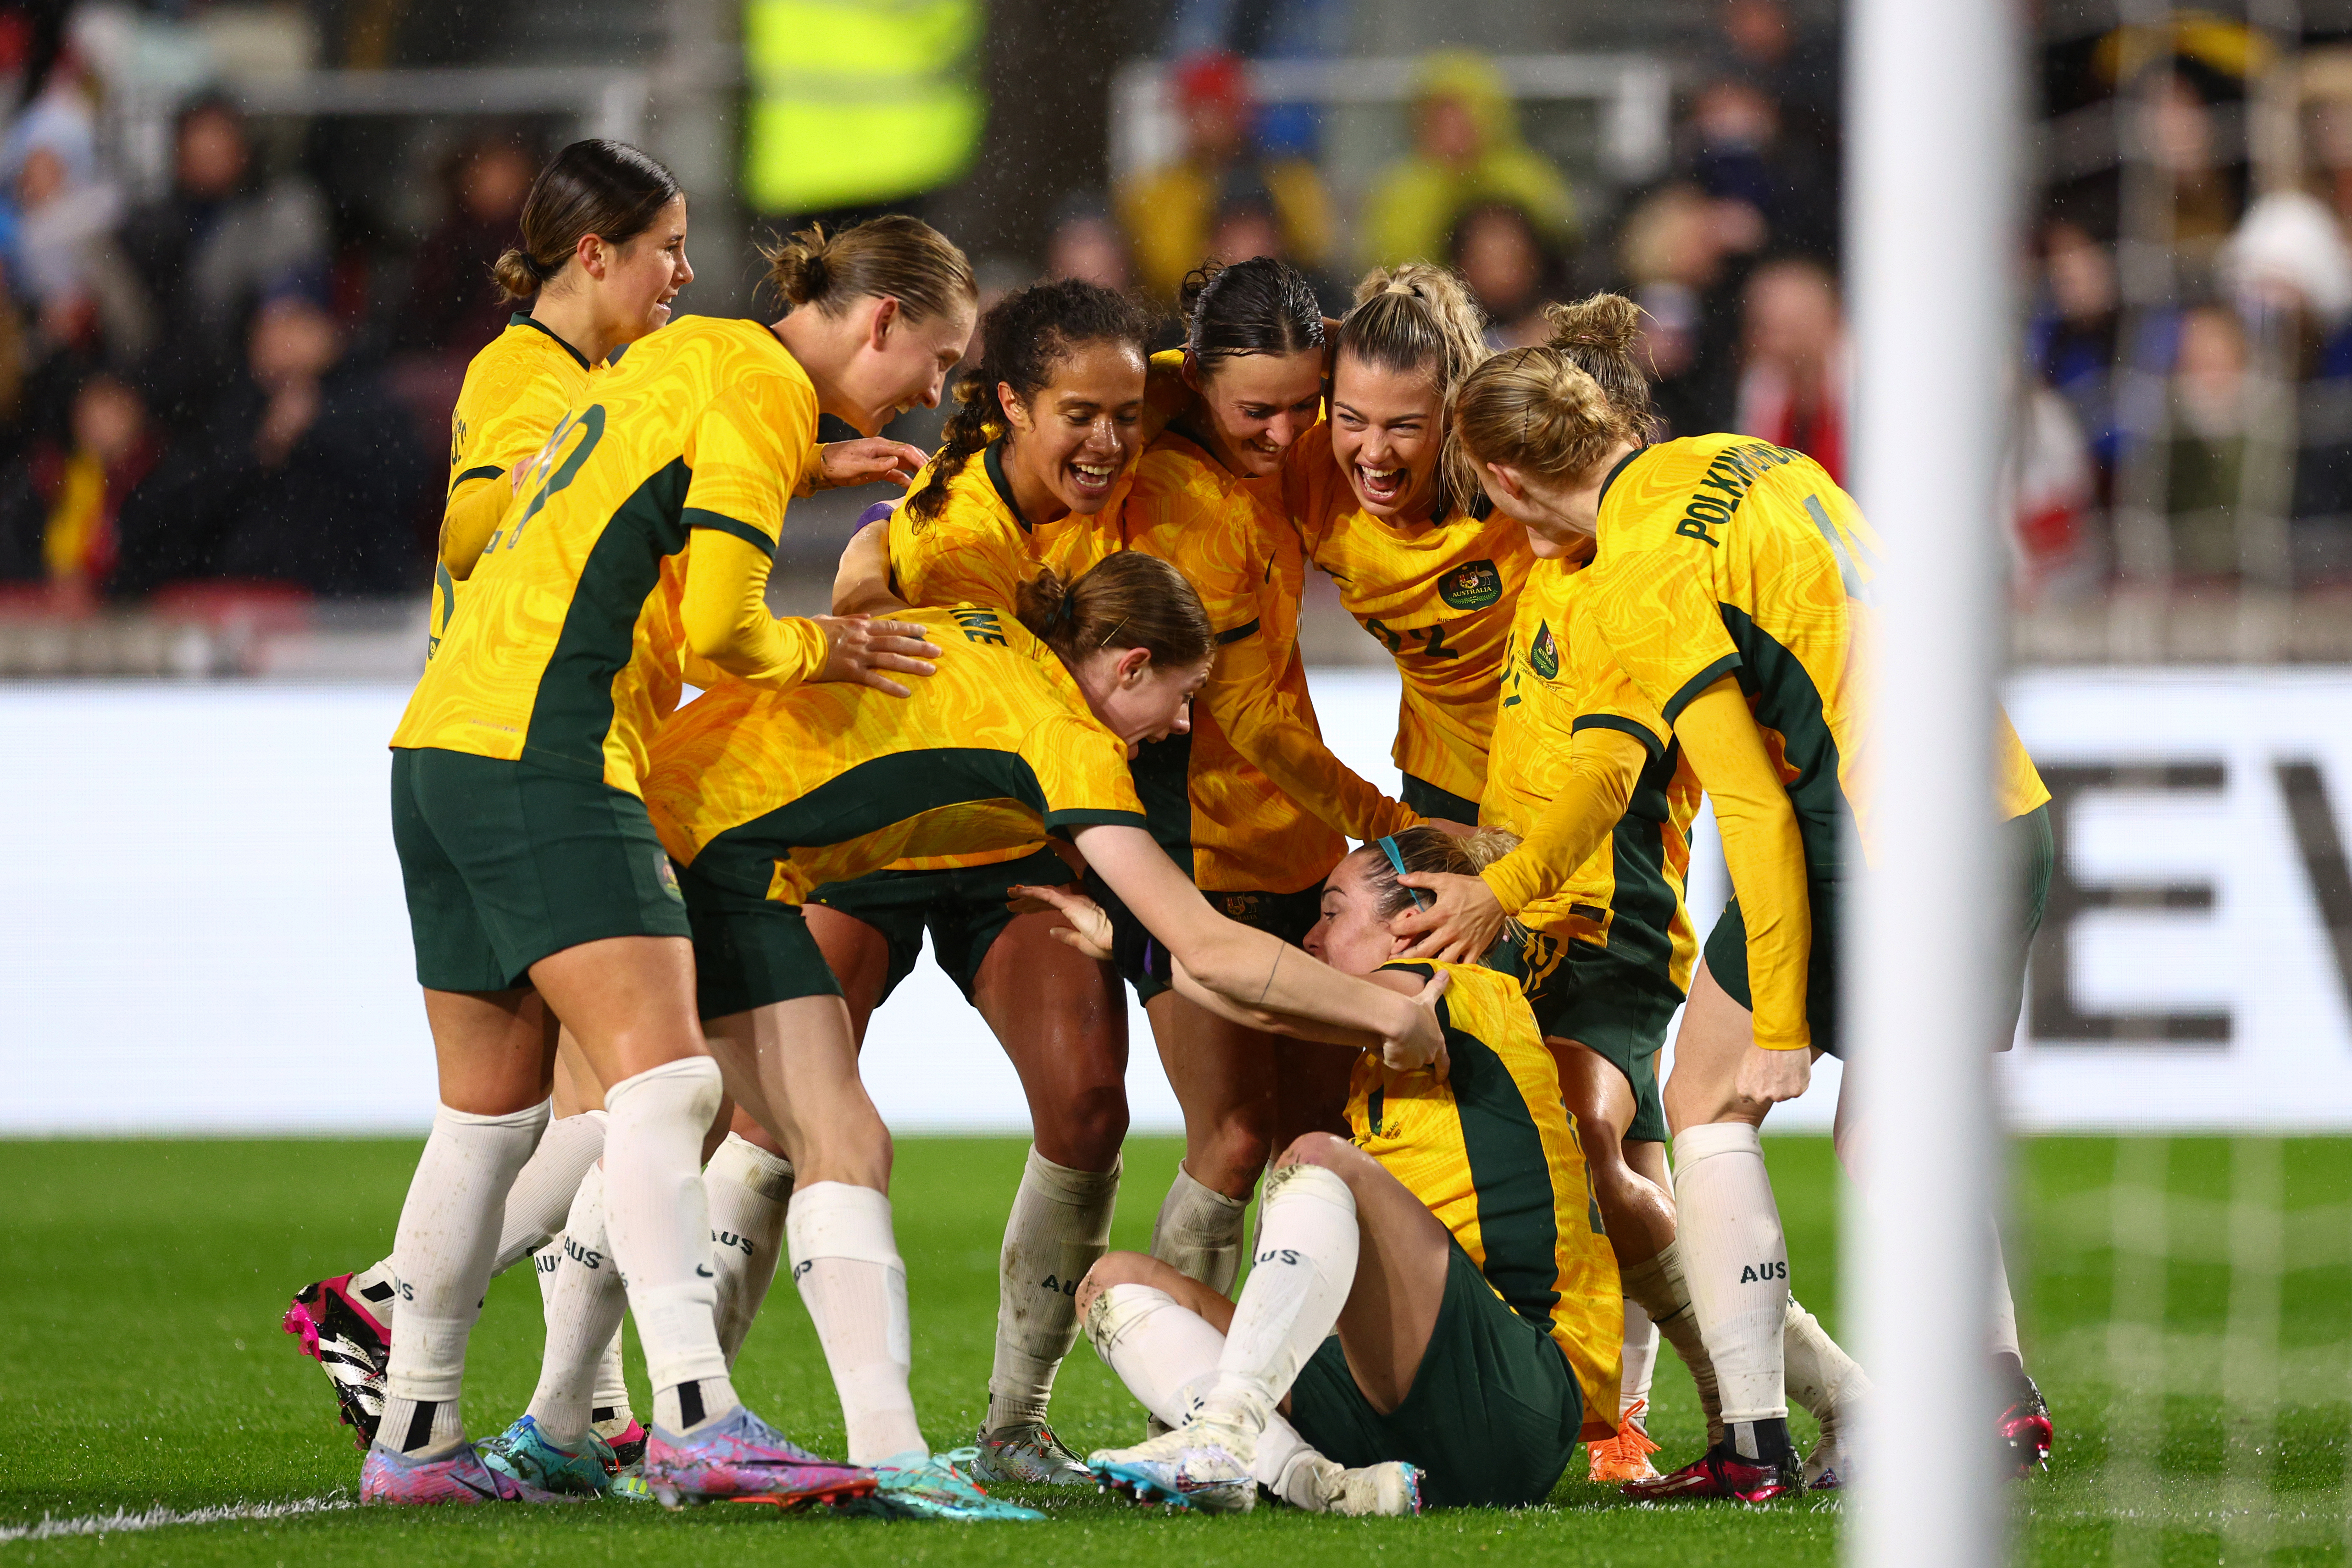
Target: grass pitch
{"points": [[2198, 1371]]}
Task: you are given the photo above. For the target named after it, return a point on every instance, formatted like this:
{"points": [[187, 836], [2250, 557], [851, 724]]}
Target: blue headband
{"points": [[1388, 847]]}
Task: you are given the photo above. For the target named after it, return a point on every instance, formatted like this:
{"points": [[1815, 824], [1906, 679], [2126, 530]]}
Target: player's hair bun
{"points": [[797, 266], [514, 273], [1607, 323], [893, 257], [1129, 599]]}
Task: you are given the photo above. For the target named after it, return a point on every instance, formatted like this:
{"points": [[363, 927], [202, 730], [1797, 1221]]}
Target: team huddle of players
{"points": [[1059, 723]]}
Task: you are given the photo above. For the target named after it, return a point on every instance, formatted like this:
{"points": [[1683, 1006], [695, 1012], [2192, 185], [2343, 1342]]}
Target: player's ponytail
{"points": [[608, 189], [1419, 319], [1126, 600], [1431, 850], [1555, 409], [893, 257], [1023, 337]]}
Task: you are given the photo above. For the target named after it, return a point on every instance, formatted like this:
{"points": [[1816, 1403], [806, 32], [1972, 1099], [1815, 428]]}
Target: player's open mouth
{"points": [[1382, 487], [1091, 481]]}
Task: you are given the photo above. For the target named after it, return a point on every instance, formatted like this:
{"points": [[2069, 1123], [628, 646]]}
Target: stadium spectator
{"points": [[1737, 153], [1801, 69], [72, 272], [58, 508], [1686, 257], [2205, 465], [1466, 150], [206, 252], [1085, 243], [305, 474], [1512, 274], [454, 307], [1170, 213], [2073, 337], [1792, 379]]}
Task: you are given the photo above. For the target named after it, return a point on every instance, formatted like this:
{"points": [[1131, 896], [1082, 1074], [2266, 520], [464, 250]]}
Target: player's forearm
{"points": [[469, 520], [1602, 768], [725, 614], [1261, 1019], [1765, 854], [1270, 735], [861, 586]]}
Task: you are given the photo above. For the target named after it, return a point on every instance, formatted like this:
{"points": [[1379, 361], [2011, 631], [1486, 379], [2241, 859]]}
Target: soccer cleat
{"points": [[1388, 1490], [1625, 1457], [628, 1444], [524, 1452], [935, 1488], [1028, 1455], [1720, 1473], [457, 1477], [1204, 1464], [629, 1486], [1826, 1468], [740, 1456], [2025, 1429], [349, 1345]]}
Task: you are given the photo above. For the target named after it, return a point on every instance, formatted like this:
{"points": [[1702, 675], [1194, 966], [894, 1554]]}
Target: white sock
{"points": [[1640, 1359], [1822, 1379], [543, 1188], [585, 1307], [1735, 1261], [659, 1222], [747, 1188], [448, 1235], [1199, 1232], [855, 1286], [1665, 1298], [609, 1414], [1167, 1356], [1060, 1224], [1306, 1265], [2004, 1306]]}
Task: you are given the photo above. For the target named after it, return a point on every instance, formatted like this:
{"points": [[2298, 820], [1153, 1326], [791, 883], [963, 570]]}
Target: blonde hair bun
{"points": [[1607, 323]]}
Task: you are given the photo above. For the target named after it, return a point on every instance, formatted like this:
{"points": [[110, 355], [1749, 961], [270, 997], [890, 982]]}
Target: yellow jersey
{"points": [[566, 652], [1559, 679], [516, 390], [1438, 595], [1726, 554], [770, 795], [1243, 831], [1491, 1149], [978, 550]]}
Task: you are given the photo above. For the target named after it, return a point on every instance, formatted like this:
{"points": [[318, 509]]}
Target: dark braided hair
{"points": [[1023, 337], [1257, 307]]}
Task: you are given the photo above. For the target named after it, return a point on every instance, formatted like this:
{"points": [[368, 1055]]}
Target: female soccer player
{"points": [[1024, 729], [1728, 581], [1250, 801], [1375, 510], [1033, 467], [536, 883], [1448, 1242]]}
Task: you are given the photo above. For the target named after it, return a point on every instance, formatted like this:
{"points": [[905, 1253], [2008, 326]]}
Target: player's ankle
{"points": [[1764, 1441]]}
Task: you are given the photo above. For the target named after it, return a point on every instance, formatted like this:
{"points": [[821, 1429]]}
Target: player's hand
{"points": [[1769, 1077], [858, 648], [1088, 929], [864, 460], [1424, 1043], [1460, 924]]}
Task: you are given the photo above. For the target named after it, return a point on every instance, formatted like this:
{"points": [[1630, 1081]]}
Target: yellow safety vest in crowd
{"points": [[858, 101]]}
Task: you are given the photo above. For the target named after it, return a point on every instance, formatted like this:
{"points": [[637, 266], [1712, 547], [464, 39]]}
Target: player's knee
{"points": [[1086, 1133], [1115, 1268], [1315, 1149]]}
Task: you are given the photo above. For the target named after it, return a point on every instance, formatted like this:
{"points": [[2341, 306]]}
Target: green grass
{"points": [[141, 1364]]}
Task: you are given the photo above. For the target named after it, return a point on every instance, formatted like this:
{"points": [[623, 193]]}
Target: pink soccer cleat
{"points": [[743, 1458], [458, 1477]]}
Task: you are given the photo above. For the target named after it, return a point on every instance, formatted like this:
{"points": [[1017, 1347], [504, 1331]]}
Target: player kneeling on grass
{"points": [[1430, 1312]]}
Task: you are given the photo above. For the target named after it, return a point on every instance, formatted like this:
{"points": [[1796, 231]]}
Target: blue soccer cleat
{"points": [[525, 1452]]}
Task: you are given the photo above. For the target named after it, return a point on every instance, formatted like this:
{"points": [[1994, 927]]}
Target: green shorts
{"points": [[1493, 1415], [1617, 1006], [2033, 854], [963, 908], [750, 952], [1143, 963], [507, 862], [1431, 801]]}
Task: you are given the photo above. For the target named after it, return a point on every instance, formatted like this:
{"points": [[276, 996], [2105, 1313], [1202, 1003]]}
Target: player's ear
{"points": [[877, 330], [1134, 664], [1016, 412]]}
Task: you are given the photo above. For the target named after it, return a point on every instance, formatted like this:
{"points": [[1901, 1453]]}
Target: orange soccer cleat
{"points": [[1625, 1457]]}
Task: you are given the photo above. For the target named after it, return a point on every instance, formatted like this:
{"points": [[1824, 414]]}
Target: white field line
{"points": [[157, 1518]]}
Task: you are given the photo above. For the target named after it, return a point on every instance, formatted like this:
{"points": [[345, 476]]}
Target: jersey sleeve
{"points": [[964, 555], [747, 452], [724, 612], [1082, 771], [1656, 609], [519, 412], [1603, 766]]}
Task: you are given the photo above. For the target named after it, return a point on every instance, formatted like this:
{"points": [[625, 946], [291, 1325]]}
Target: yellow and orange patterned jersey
{"points": [[1223, 533], [516, 390], [1725, 554], [1490, 1150], [1438, 595], [767, 794], [565, 651], [978, 550], [1560, 681]]}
